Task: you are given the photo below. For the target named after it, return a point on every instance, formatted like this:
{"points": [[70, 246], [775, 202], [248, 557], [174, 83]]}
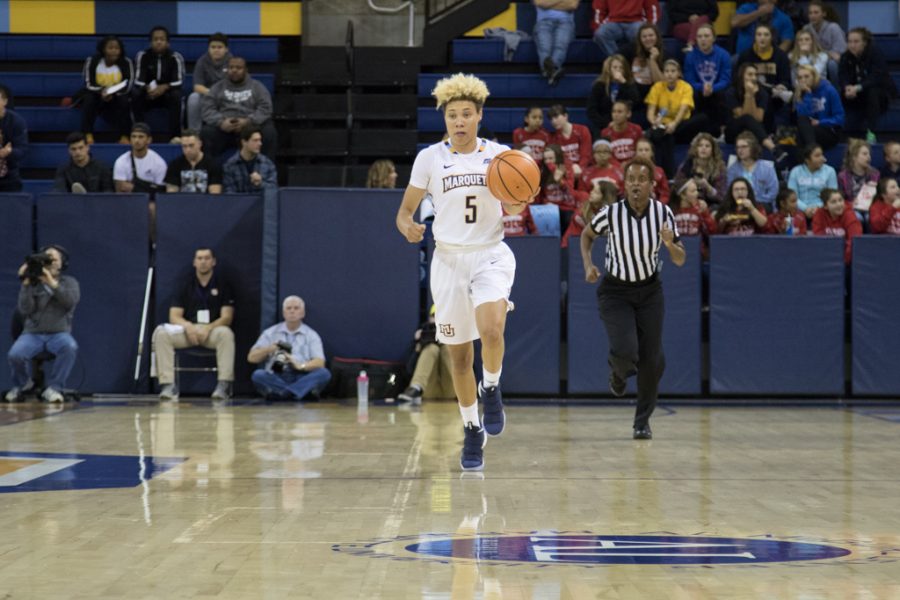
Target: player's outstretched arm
{"points": [[412, 231]]}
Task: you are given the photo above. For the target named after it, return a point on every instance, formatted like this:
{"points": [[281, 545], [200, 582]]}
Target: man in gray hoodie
{"points": [[234, 102], [47, 301], [209, 70]]}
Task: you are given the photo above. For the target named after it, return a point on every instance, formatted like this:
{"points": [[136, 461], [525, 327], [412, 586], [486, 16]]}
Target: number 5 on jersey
{"points": [[471, 209]]}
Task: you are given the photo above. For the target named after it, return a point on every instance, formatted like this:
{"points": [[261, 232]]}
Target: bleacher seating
{"points": [[78, 47], [59, 85], [51, 155]]}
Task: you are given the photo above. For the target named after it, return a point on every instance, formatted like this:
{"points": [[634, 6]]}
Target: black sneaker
{"points": [[616, 385], [553, 80], [643, 433], [493, 419], [411, 394], [547, 68], [472, 457]]}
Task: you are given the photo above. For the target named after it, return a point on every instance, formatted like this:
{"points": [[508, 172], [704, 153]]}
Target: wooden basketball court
{"points": [[131, 499]]}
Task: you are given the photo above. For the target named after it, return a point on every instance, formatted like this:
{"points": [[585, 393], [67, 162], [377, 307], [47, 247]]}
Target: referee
{"points": [[630, 296]]}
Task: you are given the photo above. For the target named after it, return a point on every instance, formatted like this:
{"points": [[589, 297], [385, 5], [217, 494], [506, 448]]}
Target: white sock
{"points": [[470, 415], [490, 379]]}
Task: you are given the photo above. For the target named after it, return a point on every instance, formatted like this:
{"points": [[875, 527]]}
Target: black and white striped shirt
{"points": [[633, 242]]}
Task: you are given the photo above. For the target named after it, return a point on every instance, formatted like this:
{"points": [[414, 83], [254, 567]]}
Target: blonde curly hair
{"points": [[460, 87]]}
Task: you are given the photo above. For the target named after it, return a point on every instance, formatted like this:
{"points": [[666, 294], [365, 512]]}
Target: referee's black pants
{"points": [[633, 316]]}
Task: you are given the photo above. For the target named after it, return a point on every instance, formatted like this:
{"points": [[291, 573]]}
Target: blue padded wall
{"points": [[15, 245], [876, 329], [232, 226], [588, 347], [776, 315], [107, 237], [341, 252], [531, 362]]}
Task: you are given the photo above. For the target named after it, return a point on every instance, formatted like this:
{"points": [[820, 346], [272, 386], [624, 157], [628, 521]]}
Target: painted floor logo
{"points": [[41, 471], [587, 549]]}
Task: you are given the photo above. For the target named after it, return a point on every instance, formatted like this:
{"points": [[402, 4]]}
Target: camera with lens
{"points": [[282, 360], [34, 267]]}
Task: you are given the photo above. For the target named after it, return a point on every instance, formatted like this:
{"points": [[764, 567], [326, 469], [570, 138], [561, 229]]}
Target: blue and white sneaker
{"points": [[494, 419], [472, 458]]}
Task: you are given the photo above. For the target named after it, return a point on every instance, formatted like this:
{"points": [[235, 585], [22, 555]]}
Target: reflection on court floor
{"points": [[243, 500]]}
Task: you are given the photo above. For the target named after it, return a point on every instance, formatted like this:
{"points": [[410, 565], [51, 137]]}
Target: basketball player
{"points": [[472, 270]]}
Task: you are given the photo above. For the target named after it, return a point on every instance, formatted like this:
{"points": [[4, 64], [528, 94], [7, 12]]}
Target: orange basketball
{"points": [[513, 176]]}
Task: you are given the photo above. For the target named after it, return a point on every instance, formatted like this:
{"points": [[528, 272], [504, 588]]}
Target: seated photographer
{"points": [[47, 301], [294, 358], [431, 374], [200, 315]]}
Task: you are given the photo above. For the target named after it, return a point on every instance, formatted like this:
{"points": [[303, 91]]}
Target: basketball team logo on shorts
{"points": [[447, 330], [594, 550]]}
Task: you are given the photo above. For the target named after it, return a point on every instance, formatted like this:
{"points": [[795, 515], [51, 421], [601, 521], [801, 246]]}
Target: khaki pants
{"points": [[164, 344], [433, 373]]}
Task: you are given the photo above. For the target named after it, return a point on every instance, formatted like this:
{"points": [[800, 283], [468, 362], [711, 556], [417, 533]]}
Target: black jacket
{"points": [[599, 103], [868, 70], [167, 67], [96, 176], [680, 10], [90, 73]]}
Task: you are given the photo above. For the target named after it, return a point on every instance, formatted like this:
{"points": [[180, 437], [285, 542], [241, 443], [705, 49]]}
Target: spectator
{"points": [[603, 169], [82, 173], [866, 84], [232, 104], [47, 301], [158, 80], [602, 194], [574, 139], [884, 214], [622, 133], [558, 184], [820, 116], [807, 52], [748, 166], [739, 214], [707, 67], [519, 224], [13, 144], [199, 315], [788, 219], [749, 16], [647, 59], [837, 219], [692, 216], [432, 372], [140, 170], [891, 166], [686, 16], [824, 25], [554, 30], [857, 179], [704, 165], [108, 82], [209, 70], [295, 359], [193, 172], [670, 111], [382, 174], [644, 148], [249, 171], [810, 178], [773, 69], [616, 22], [533, 135], [613, 84], [747, 104]]}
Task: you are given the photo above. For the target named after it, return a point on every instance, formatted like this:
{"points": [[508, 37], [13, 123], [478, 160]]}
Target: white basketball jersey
{"points": [[465, 212]]}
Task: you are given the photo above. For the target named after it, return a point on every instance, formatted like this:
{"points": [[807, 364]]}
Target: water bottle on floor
{"points": [[362, 398]]}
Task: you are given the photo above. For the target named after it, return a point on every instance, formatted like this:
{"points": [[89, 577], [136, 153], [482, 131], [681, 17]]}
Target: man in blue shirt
{"points": [[553, 32], [708, 69], [293, 355], [249, 170], [747, 16]]}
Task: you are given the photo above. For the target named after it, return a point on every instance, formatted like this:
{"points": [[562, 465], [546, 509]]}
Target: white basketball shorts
{"points": [[461, 281]]}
